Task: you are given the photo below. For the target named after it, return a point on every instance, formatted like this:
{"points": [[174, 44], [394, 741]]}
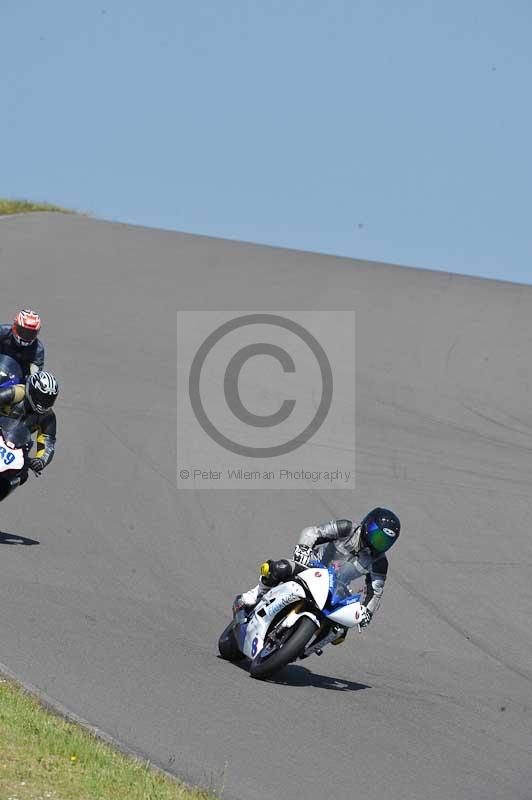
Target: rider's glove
{"points": [[37, 465], [302, 554], [365, 617]]}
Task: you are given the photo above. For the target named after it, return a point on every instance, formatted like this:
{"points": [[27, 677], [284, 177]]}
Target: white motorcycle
{"points": [[292, 620], [15, 444]]}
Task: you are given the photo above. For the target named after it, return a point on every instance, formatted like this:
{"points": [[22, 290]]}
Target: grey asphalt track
{"points": [[115, 608]]}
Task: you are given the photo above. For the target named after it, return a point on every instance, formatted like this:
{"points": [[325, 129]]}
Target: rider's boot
{"points": [[251, 598], [341, 638], [336, 635], [271, 574]]}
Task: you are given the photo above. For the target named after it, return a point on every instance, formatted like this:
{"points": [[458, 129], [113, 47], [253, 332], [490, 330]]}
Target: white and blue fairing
{"points": [[250, 635], [329, 594], [341, 606]]}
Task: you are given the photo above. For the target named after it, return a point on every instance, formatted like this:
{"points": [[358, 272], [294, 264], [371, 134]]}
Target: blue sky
{"points": [[375, 129]]}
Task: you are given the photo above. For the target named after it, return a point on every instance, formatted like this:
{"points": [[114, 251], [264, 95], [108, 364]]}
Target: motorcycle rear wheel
{"points": [[302, 633], [227, 645]]}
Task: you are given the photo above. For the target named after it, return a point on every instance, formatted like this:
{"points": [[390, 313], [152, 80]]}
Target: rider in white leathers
{"points": [[360, 546]]}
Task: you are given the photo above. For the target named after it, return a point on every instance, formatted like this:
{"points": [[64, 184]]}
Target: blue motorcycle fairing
{"points": [[241, 631], [10, 372]]}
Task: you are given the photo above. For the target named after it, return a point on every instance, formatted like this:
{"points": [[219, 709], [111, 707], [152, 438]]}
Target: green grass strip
{"points": [[42, 756], [25, 206]]}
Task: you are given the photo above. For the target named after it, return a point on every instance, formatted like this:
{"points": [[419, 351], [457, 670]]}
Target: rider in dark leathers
{"points": [[20, 341], [32, 404]]}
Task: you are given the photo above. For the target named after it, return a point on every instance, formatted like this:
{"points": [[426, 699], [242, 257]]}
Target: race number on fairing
{"points": [[10, 457]]}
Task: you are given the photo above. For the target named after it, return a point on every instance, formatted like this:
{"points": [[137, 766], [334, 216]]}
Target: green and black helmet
{"points": [[379, 530]]}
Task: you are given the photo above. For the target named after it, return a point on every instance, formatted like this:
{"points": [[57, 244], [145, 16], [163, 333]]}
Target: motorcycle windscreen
{"points": [[10, 372], [15, 433], [341, 569]]}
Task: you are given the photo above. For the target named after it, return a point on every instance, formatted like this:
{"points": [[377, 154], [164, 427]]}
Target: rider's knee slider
{"points": [[282, 570]]}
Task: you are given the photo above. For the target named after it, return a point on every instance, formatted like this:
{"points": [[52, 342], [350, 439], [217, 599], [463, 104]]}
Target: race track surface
{"points": [[114, 586]]}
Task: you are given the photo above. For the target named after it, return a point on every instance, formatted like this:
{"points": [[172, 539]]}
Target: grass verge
{"points": [[43, 756], [24, 206]]}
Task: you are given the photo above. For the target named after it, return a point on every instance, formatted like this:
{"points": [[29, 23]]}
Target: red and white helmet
{"points": [[26, 327]]}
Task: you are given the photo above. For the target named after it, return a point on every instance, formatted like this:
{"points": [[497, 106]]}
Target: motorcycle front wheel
{"points": [[299, 635]]}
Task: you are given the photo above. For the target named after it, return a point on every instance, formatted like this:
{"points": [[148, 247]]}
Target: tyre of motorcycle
{"points": [[8, 485], [301, 633], [227, 645]]}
